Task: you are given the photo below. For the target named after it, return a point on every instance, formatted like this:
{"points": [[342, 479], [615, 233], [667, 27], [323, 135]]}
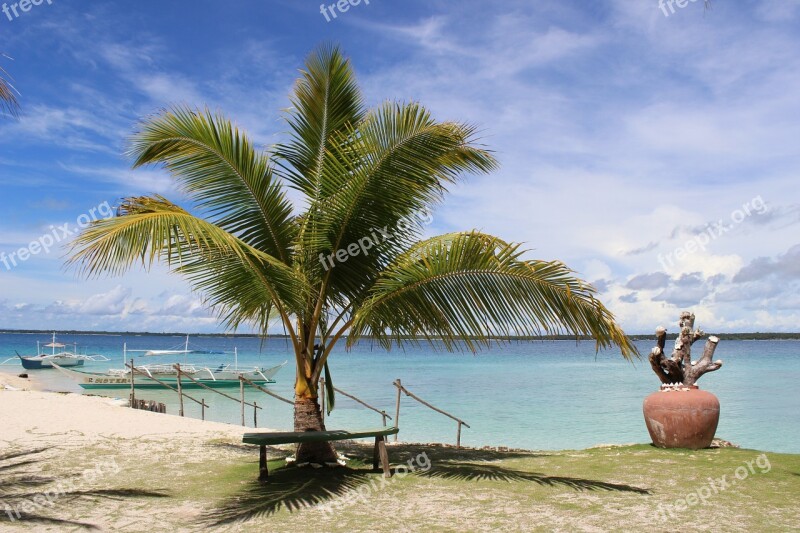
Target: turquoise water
{"points": [[535, 395]]}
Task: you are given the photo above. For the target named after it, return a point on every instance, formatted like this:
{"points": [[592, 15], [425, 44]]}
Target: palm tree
{"points": [[351, 264], [8, 96]]}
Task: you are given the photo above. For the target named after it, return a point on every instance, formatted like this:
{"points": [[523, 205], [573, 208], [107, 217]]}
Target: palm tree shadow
{"points": [[461, 471], [20, 488], [402, 453], [291, 488]]}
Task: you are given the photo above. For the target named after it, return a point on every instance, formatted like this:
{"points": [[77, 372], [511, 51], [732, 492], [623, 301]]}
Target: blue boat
{"points": [[64, 358]]}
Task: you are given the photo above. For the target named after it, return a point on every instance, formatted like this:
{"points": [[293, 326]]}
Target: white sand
{"points": [[42, 418], [79, 432]]}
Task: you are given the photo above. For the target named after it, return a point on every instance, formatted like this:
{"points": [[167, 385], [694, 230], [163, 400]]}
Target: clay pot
{"points": [[682, 418]]}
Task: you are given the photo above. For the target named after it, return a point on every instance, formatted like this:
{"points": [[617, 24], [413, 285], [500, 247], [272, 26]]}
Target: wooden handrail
{"points": [[148, 376], [237, 400], [362, 402], [423, 402], [262, 389], [400, 388]]}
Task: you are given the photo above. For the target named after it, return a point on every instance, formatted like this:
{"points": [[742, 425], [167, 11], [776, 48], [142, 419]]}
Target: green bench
{"points": [[272, 439]]}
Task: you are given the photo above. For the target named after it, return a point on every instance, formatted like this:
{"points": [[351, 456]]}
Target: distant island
{"points": [[758, 336]]}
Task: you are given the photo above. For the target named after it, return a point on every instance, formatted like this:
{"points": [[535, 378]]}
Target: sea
{"points": [[537, 395]]}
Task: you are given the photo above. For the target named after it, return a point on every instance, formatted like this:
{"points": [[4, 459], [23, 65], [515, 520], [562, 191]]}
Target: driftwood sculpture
{"points": [[680, 369]]}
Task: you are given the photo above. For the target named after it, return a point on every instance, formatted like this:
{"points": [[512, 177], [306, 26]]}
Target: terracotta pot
{"points": [[685, 418]]}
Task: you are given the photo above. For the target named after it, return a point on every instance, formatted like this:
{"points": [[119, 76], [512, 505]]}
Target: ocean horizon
{"points": [[538, 395]]}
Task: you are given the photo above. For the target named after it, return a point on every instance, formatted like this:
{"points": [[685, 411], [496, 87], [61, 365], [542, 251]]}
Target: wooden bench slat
{"points": [[290, 437]]}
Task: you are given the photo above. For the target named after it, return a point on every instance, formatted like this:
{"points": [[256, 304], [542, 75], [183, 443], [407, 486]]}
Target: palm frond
{"points": [[217, 167], [8, 94], [400, 163], [326, 101], [473, 287], [233, 275]]}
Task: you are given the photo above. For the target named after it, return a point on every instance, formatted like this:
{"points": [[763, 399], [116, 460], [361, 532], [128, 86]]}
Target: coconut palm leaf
{"points": [[401, 162], [8, 94], [216, 166], [220, 265], [473, 286], [326, 102]]}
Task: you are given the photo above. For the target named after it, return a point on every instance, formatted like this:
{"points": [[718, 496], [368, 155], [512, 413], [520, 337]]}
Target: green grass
{"points": [[614, 488]]}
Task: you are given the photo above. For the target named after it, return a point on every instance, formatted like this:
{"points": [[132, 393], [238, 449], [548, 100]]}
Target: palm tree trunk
{"points": [[308, 417]]}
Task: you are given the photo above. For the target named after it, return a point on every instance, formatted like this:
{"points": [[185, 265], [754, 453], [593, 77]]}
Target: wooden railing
{"points": [[322, 384], [243, 380], [400, 388]]}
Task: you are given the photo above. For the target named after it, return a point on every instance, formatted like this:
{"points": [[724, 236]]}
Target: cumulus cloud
{"points": [[784, 267], [655, 280], [601, 285], [642, 249]]}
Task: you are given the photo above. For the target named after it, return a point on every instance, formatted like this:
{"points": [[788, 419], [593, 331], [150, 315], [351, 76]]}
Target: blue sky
{"points": [[625, 138]]}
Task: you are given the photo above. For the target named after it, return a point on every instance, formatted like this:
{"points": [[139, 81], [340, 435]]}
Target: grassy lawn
{"points": [[614, 488]]}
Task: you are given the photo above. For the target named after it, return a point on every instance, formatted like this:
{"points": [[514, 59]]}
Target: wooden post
{"points": [[241, 396], [387, 472], [255, 414], [383, 414], [202, 408], [263, 471], [322, 395], [399, 386], [180, 389], [133, 394], [458, 437]]}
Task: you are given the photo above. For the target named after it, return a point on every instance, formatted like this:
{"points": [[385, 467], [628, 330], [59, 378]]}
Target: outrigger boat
{"points": [[65, 359], [221, 376], [186, 350]]}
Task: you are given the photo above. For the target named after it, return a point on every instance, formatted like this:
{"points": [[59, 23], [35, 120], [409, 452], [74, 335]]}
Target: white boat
{"points": [[186, 350], [64, 358], [221, 376], [217, 375]]}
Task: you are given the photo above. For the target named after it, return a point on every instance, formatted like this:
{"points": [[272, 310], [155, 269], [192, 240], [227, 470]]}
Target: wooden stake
{"points": [[458, 437], [133, 393], [241, 395], [399, 386], [202, 408], [180, 389], [255, 414]]}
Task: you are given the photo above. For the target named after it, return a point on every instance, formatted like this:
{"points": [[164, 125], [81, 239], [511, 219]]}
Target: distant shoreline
{"points": [[638, 337]]}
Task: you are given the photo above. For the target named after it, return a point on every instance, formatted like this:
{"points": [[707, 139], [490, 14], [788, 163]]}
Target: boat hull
{"points": [[90, 381], [36, 363]]}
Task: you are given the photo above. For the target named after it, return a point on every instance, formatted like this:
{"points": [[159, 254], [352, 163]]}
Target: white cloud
{"points": [[613, 128]]}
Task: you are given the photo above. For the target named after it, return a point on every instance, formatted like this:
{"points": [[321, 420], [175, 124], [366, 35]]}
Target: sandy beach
{"points": [[90, 419], [70, 462], [69, 436]]}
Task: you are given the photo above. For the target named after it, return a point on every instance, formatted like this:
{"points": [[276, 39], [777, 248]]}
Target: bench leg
{"points": [[263, 472], [380, 444]]}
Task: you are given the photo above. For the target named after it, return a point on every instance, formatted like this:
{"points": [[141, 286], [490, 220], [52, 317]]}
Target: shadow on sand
{"points": [[297, 489], [21, 491]]}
